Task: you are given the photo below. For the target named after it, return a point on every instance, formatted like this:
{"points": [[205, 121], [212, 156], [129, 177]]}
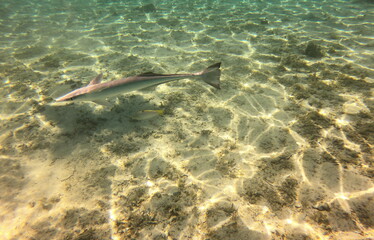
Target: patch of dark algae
{"points": [[266, 188], [314, 50], [310, 125], [138, 214], [235, 228], [75, 224]]}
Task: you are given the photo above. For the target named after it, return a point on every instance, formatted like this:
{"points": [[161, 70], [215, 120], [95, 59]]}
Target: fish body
{"points": [[96, 91]]}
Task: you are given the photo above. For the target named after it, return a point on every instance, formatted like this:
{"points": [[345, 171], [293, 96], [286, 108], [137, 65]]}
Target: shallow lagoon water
{"points": [[282, 151]]}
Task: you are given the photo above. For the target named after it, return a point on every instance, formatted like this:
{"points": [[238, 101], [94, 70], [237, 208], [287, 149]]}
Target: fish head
{"points": [[81, 93], [71, 96]]}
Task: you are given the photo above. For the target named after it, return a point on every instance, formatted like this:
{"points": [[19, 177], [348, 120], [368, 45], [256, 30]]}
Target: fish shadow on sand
{"points": [[83, 123]]}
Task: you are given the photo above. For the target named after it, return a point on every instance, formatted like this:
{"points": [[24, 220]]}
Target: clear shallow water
{"points": [[283, 150]]}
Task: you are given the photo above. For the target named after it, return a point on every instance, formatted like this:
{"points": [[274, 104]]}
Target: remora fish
{"points": [[147, 114], [96, 91]]}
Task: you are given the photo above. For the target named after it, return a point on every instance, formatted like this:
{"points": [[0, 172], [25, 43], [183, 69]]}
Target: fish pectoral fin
{"points": [[96, 80], [103, 103]]}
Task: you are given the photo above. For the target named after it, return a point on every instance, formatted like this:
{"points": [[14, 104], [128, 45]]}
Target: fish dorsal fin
{"points": [[96, 80], [150, 74]]}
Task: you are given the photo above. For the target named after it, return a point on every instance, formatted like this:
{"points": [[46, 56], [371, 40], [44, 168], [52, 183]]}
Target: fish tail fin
{"points": [[160, 112], [211, 75]]}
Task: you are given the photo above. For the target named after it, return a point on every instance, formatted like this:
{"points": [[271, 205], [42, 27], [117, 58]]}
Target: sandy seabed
{"points": [[282, 151]]}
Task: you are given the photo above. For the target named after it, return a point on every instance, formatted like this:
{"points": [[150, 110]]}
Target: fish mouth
{"points": [[62, 99], [59, 99]]}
